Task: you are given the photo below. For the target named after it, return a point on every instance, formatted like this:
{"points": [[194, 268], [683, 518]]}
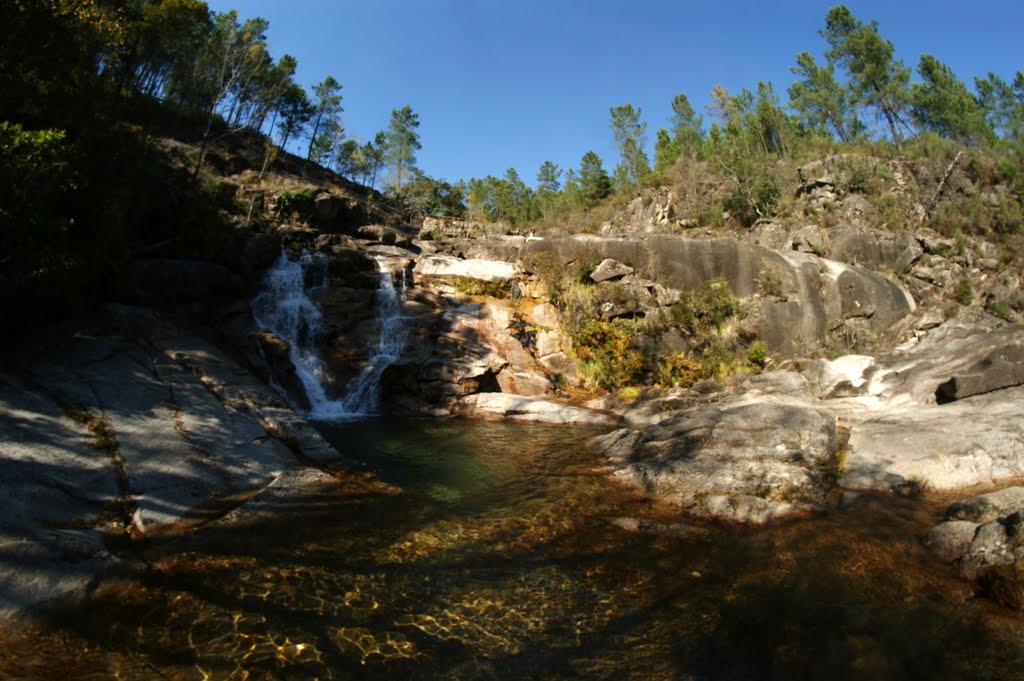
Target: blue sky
{"points": [[512, 83]]}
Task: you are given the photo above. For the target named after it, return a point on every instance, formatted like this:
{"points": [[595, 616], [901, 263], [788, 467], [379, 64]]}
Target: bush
{"points": [[607, 353], [757, 354], [703, 313], [295, 200], [963, 292]]}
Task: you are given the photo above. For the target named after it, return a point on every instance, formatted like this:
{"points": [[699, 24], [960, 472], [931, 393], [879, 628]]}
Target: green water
{"points": [[497, 551]]}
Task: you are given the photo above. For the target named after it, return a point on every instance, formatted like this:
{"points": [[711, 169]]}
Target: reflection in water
{"points": [[506, 558]]}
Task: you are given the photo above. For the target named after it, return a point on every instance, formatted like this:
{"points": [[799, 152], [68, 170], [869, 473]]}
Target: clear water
{"points": [[493, 551]]}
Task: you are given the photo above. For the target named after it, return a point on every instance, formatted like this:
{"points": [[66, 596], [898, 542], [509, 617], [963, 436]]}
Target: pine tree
{"points": [[630, 135], [943, 104], [326, 110], [877, 79], [401, 144], [548, 178], [594, 182], [820, 101]]}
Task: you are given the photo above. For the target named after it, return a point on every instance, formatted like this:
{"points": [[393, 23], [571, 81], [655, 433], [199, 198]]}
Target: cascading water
{"points": [[284, 307], [363, 393]]}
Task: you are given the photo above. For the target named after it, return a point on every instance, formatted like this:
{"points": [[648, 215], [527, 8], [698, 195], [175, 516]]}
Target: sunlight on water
{"points": [[506, 558]]}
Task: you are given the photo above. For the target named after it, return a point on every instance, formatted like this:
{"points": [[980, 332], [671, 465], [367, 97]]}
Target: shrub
{"points": [[963, 292], [703, 313], [757, 354], [677, 369], [607, 353], [295, 200]]}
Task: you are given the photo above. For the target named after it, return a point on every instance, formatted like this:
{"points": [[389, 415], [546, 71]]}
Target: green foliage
{"points": [[703, 313], [942, 103], [1003, 104], [630, 135], [607, 353], [401, 142], [295, 200], [35, 180], [999, 308], [757, 354], [548, 178], [327, 131], [506, 199], [876, 78], [821, 103], [677, 369], [471, 286], [963, 291], [769, 283], [427, 196], [594, 183]]}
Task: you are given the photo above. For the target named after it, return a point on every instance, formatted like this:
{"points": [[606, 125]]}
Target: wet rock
{"points": [[276, 353]]}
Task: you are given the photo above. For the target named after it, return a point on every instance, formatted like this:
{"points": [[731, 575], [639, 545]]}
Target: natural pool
{"points": [[497, 551]]}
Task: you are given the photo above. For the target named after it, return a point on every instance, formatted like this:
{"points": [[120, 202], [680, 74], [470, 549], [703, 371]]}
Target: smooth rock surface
{"points": [[131, 427], [520, 408], [749, 462], [473, 268]]}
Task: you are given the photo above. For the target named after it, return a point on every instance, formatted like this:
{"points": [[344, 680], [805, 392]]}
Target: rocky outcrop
{"points": [[447, 266], [778, 443], [741, 461], [130, 428], [520, 408], [981, 532], [810, 302]]}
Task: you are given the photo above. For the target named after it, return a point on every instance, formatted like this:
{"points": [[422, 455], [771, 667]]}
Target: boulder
{"points": [[327, 207], [610, 269], [1001, 368], [520, 408], [747, 462], [819, 293], [950, 540], [986, 507], [448, 266], [995, 543], [979, 440]]}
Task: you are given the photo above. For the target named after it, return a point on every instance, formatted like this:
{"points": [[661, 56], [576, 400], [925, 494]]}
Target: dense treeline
{"points": [[861, 95], [82, 192]]}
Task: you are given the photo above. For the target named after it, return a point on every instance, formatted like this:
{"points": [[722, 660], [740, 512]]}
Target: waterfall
{"points": [[284, 307], [363, 393]]}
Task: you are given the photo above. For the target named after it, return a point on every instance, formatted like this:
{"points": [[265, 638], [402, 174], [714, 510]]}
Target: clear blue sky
{"points": [[512, 83]]}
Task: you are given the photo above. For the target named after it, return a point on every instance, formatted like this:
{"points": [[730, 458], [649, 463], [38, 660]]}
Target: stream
{"points": [[497, 551]]}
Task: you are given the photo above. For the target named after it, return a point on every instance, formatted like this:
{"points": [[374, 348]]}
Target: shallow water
{"points": [[497, 551]]}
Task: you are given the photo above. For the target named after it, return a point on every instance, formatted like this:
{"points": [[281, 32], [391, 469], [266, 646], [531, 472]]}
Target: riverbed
{"points": [[474, 550]]}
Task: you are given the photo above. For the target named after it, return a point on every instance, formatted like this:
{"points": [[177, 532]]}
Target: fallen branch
{"points": [[942, 186]]}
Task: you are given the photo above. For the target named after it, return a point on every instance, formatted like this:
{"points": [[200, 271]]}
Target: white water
{"points": [[363, 393], [284, 307]]}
